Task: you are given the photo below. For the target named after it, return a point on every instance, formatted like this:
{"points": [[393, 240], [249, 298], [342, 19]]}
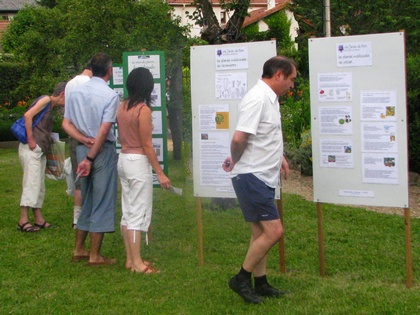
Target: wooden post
{"points": [[321, 240], [281, 241], [200, 232], [408, 256]]}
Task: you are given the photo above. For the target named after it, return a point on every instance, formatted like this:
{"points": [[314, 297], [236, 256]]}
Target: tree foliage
{"points": [[213, 32], [47, 3], [278, 28], [357, 17], [55, 43]]}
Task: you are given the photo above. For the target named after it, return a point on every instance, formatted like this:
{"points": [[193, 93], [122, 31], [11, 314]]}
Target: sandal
{"points": [[43, 225], [27, 228], [148, 270]]}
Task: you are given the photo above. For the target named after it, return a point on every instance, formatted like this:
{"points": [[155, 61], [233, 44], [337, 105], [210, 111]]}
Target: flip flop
{"points": [[43, 225], [27, 228], [148, 270]]}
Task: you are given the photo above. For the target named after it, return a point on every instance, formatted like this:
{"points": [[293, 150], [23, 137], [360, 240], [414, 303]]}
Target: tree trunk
{"points": [[174, 107]]}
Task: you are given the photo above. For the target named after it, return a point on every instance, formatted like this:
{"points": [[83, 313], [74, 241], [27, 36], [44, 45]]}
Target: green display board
{"points": [[155, 62]]}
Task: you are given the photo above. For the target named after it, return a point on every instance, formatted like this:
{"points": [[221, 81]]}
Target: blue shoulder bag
{"points": [[18, 128]]}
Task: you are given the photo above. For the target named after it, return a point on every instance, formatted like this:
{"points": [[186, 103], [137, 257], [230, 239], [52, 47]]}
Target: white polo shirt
{"points": [[259, 115]]}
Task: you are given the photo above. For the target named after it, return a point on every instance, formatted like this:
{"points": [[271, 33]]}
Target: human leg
{"points": [[95, 257], [77, 195], [33, 164], [261, 285], [80, 246], [267, 233], [103, 191], [135, 174], [257, 204], [23, 215], [128, 261], [24, 225], [134, 243], [77, 207], [39, 219], [260, 267], [95, 246], [125, 204]]}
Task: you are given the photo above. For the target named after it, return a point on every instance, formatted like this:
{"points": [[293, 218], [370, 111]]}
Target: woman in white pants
{"points": [[135, 163]]}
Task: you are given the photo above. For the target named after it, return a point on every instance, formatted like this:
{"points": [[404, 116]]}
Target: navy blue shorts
{"points": [[255, 198]]}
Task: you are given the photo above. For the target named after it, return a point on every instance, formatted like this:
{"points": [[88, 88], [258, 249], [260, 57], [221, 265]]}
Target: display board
{"points": [[117, 84], [220, 77], [359, 124], [155, 62]]}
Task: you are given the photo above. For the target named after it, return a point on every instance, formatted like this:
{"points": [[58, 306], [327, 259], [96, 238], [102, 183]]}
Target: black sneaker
{"points": [[244, 289], [268, 291]]}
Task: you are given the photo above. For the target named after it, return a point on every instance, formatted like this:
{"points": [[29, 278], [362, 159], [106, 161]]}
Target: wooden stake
{"points": [[408, 256], [200, 232], [281, 241], [321, 240]]}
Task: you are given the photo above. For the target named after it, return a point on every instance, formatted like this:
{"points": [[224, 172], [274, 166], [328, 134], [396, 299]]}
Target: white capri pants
{"points": [[33, 183], [136, 178]]}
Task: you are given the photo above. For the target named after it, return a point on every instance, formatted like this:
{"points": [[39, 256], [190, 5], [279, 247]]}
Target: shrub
{"points": [[9, 115], [296, 113], [413, 98], [10, 76], [304, 154]]}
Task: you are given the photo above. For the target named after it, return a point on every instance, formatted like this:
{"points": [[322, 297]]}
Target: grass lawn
{"points": [[364, 254]]}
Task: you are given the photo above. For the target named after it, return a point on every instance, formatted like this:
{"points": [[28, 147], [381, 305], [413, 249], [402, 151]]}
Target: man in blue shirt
{"points": [[89, 116]]}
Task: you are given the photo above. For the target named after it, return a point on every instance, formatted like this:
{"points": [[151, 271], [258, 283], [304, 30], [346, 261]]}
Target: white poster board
{"points": [[359, 124], [220, 77]]}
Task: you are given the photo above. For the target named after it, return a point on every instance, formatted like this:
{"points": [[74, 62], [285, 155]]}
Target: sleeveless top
{"points": [[43, 130], [128, 127]]}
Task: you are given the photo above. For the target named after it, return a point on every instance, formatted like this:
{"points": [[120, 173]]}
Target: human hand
{"points": [[228, 164], [84, 168], [89, 142], [285, 170], [164, 181], [32, 144]]}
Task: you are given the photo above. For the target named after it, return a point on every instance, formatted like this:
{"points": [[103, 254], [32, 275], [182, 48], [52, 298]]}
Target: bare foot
{"points": [[128, 264], [146, 270], [102, 261]]}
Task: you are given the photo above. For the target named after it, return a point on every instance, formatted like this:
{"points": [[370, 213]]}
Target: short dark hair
{"points": [[272, 65], [59, 88], [139, 86], [101, 62]]}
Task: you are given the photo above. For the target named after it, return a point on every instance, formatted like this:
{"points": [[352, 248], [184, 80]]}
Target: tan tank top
{"points": [[128, 128]]}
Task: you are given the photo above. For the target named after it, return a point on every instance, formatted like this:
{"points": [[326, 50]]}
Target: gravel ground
{"points": [[302, 185]]}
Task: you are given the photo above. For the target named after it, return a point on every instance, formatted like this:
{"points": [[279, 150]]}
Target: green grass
{"points": [[364, 255]]}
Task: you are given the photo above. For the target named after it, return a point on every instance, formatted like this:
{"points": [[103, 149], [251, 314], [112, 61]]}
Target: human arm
{"points": [[29, 116], [72, 131], [145, 131], [85, 165], [285, 170], [237, 147]]}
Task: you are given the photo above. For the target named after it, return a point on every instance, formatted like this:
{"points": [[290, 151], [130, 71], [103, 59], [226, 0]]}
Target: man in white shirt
{"points": [[71, 85], [255, 165]]}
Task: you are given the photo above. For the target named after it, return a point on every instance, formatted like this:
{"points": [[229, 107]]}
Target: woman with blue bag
{"points": [[38, 123]]}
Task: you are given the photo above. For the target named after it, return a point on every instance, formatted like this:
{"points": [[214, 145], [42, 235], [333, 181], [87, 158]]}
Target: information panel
{"points": [[220, 77], [359, 124]]}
